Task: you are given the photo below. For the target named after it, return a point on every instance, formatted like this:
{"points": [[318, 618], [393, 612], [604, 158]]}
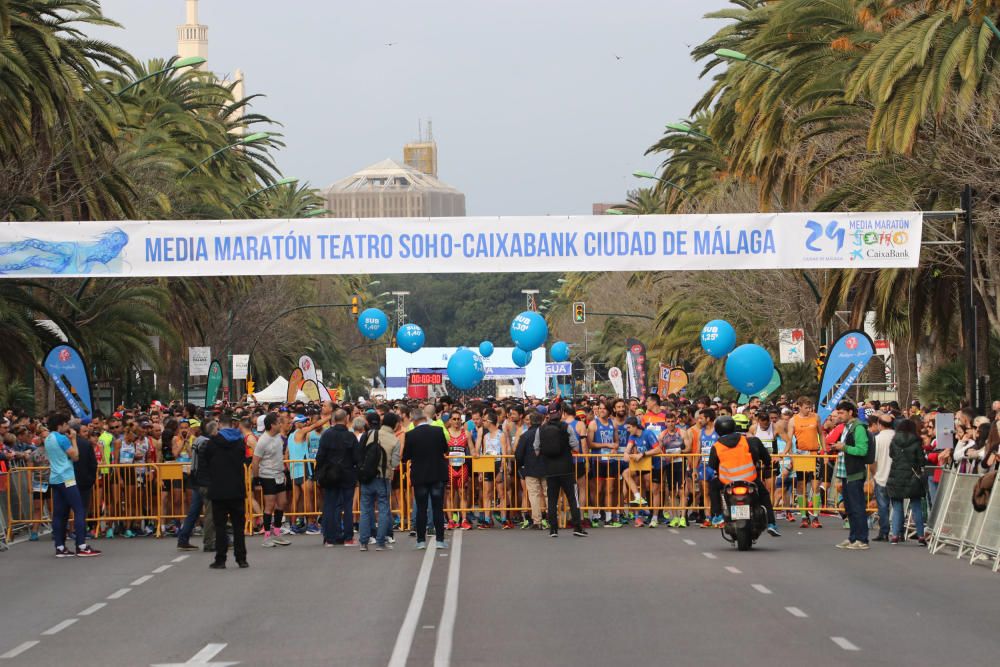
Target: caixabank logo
{"points": [[861, 240]]}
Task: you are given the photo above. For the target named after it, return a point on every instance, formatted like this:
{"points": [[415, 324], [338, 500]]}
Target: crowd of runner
{"points": [[610, 438]]}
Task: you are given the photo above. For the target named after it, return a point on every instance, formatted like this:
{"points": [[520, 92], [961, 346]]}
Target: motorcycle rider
{"points": [[738, 457]]}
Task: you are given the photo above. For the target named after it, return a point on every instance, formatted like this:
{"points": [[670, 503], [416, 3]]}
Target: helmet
{"points": [[742, 422], [725, 425]]}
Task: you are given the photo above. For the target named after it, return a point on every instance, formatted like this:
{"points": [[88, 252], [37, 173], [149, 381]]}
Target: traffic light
{"points": [[579, 312], [820, 362], [249, 386], [355, 306]]}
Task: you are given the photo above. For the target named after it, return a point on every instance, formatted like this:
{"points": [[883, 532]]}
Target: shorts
{"points": [[458, 476], [271, 487], [672, 473], [172, 484], [41, 495], [582, 470], [299, 481], [610, 469], [498, 472]]}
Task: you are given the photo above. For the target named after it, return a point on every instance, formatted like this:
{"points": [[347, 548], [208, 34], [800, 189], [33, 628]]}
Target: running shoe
{"points": [[816, 523], [451, 525], [383, 547], [682, 523], [313, 529], [613, 524], [654, 522], [638, 522], [546, 525], [283, 530], [718, 520], [673, 523], [553, 533], [440, 544], [33, 537], [507, 525], [186, 547], [790, 516], [87, 551], [580, 532], [413, 533], [922, 541], [895, 539], [390, 539], [63, 552], [364, 547], [276, 535], [268, 542], [110, 535], [466, 525], [350, 543], [483, 525], [596, 523], [217, 566], [421, 546], [639, 500], [707, 523], [772, 530], [858, 546], [525, 525], [129, 533], [804, 524], [843, 545]]}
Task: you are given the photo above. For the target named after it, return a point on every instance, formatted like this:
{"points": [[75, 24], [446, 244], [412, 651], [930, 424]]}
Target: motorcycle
{"points": [[746, 518]]}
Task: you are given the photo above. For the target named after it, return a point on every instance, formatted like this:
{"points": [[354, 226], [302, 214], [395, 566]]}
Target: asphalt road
{"points": [[626, 596]]}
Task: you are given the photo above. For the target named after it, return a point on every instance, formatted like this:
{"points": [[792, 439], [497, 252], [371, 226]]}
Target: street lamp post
{"points": [[646, 174], [729, 54], [284, 181], [193, 61], [686, 129], [253, 138]]}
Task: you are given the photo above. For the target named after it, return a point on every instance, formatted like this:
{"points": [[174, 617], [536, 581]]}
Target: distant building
{"points": [[388, 189], [422, 154], [601, 209], [192, 37]]}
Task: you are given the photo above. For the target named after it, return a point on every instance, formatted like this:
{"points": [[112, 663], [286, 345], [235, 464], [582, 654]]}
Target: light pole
{"points": [[193, 61], [252, 139], [284, 181], [687, 129], [530, 302], [646, 174], [729, 54]]}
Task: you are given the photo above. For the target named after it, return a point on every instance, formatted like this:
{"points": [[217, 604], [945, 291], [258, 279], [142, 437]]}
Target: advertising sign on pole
{"points": [[241, 363], [199, 359], [792, 346]]}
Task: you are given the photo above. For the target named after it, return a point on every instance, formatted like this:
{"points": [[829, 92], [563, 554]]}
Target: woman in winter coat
{"points": [[906, 475]]}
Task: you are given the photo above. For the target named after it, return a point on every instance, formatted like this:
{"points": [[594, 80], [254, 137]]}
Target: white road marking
{"points": [[795, 611], [689, 542], [203, 658], [141, 580], [180, 558], [92, 608], [444, 555], [844, 644], [59, 627], [119, 593], [709, 555], [762, 589], [404, 640], [162, 569], [18, 650], [730, 568], [446, 628], [673, 531], [427, 627]]}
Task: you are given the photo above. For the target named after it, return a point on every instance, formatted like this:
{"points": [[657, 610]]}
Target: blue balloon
{"points": [[410, 337], [749, 368], [486, 348], [372, 323], [559, 351], [521, 357], [718, 338], [466, 369], [529, 330]]}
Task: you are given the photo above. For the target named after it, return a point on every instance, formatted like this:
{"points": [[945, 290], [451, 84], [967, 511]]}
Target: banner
{"points": [[768, 389], [214, 382], [241, 364], [844, 364], [635, 364], [295, 381], [461, 245], [792, 346], [199, 359], [69, 374], [559, 368], [615, 376], [678, 381], [308, 367], [662, 381]]}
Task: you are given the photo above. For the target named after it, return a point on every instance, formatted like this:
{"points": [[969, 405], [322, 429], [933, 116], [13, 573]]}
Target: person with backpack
{"points": [[336, 472], [379, 458], [554, 447], [854, 453]]}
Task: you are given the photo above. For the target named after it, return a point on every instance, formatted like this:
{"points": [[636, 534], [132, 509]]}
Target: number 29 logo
{"points": [[833, 231]]}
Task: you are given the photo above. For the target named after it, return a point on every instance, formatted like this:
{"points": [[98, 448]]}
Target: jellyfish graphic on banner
{"points": [[844, 365], [635, 364]]}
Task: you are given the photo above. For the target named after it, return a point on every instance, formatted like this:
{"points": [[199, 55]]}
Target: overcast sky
{"points": [[532, 110]]}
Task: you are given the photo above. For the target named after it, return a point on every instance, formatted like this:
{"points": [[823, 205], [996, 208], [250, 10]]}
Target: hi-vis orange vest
{"points": [[736, 463]]}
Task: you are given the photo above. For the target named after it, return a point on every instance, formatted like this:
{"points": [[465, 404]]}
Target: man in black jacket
{"points": [[224, 456], [85, 467], [339, 447], [531, 468], [199, 492], [426, 449], [559, 471]]}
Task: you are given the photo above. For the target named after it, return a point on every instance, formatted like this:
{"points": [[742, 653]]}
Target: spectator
{"points": [[906, 480], [531, 468], [883, 438], [426, 449], [199, 498], [85, 466], [850, 470], [559, 471], [339, 449], [377, 490], [224, 455], [62, 450]]}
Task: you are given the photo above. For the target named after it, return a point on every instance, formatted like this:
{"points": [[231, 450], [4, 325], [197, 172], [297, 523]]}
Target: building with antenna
{"points": [[422, 154], [192, 37], [388, 189]]}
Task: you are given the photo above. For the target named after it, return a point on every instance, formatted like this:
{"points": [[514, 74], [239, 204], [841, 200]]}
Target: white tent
{"points": [[276, 392]]}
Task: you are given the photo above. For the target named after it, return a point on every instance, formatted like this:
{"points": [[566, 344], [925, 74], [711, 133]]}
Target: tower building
{"points": [[192, 37]]}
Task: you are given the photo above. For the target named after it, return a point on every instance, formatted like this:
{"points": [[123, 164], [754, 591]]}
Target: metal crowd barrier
{"points": [[147, 497]]}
